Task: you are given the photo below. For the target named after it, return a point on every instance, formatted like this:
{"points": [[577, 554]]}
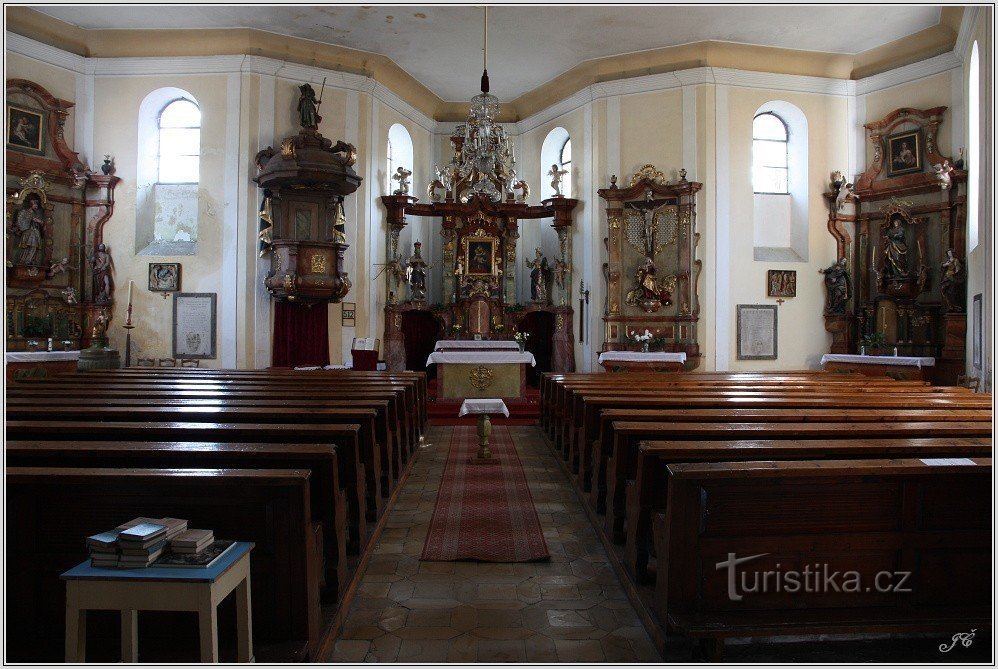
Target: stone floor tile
{"points": [[430, 618], [540, 648], [350, 650], [501, 650], [384, 649], [579, 651]]}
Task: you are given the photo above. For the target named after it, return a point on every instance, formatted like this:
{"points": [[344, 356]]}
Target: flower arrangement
{"points": [[520, 337], [644, 339], [456, 328]]}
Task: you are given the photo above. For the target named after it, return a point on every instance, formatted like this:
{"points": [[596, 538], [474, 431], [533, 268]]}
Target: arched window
{"points": [[973, 148], [769, 154], [399, 154], [179, 143], [566, 164]]}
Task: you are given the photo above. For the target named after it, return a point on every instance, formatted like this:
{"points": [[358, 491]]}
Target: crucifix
{"points": [[647, 209]]}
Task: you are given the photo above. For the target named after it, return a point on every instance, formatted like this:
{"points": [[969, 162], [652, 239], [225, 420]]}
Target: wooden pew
{"points": [[345, 437], [51, 510], [648, 493], [622, 466], [648, 409], [868, 517], [328, 499]]}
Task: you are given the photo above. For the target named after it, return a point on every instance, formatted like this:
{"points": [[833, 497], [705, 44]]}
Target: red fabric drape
{"points": [[301, 335]]}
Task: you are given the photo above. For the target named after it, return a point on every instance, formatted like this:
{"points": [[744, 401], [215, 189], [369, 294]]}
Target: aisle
{"points": [[570, 609]]}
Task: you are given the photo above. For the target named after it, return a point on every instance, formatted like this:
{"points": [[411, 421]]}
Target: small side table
{"points": [[161, 589], [483, 407]]}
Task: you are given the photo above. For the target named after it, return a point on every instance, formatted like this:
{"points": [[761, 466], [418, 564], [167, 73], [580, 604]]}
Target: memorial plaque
{"points": [[756, 332], [194, 326]]}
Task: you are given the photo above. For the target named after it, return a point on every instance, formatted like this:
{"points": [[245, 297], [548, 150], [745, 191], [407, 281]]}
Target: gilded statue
{"points": [[896, 252]]}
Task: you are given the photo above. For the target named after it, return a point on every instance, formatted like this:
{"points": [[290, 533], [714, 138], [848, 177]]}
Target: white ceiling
{"points": [[441, 46]]}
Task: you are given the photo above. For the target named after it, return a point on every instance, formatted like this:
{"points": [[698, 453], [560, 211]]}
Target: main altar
{"points": [[478, 204]]}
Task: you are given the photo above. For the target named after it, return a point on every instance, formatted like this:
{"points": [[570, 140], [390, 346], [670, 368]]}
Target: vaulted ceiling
{"points": [[441, 46]]}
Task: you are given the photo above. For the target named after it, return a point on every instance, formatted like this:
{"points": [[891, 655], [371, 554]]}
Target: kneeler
{"points": [[301, 335]]}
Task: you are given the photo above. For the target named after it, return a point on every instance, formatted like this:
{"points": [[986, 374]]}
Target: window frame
{"points": [[786, 151], [159, 143]]}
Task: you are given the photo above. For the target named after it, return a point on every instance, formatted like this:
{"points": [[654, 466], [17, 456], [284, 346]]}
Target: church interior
{"points": [[499, 333]]}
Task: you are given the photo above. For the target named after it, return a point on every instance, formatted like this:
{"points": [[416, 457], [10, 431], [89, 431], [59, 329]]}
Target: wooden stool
{"points": [[161, 589]]}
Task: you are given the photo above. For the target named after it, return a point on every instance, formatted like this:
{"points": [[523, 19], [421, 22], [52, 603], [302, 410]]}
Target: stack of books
{"points": [[192, 541], [134, 544]]}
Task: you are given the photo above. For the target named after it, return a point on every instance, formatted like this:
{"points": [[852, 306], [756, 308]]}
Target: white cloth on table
{"points": [[480, 357], [639, 356], [899, 360], [488, 406], [41, 356], [464, 344]]}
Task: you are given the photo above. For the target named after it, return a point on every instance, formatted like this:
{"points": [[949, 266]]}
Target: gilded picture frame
{"points": [[904, 153], [480, 255], [25, 129], [781, 283]]}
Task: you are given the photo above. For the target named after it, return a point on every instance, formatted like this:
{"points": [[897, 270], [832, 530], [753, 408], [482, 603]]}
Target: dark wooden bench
{"points": [[622, 466], [51, 510], [344, 437], [921, 551], [648, 493], [329, 500]]}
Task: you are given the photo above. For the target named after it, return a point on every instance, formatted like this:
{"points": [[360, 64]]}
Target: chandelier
{"points": [[484, 161]]}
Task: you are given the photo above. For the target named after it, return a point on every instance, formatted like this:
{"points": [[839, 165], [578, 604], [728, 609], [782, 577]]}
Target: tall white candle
{"points": [[131, 284]]}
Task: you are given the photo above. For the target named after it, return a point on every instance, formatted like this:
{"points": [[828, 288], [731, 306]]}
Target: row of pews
{"points": [[686, 474], [301, 463]]}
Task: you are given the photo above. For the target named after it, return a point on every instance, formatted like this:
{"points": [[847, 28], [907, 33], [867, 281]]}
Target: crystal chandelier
{"points": [[484, 158]]}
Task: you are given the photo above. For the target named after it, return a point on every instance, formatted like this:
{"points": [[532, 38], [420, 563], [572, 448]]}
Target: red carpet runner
{"points": [[484, 512]]}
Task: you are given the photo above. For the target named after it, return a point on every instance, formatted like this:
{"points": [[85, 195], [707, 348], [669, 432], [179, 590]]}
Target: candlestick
{"points": [[131, 284]]}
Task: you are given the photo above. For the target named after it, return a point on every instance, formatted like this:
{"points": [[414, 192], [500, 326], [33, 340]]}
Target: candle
{"points": [[131, 284]]}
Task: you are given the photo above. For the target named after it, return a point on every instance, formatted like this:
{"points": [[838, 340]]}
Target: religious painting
{"points": [[904, 153], [194, 324], [479, 254], [781, 283], [25, 129], [756, 332], [164, 277]]}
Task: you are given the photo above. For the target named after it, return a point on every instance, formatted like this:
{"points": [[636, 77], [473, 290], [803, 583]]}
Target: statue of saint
{"points": [[953, 277], [836, 286], [896, 252], [556, 178], [538, 277], [308, 107], [417, 274], [102, 267], [28, 226]]}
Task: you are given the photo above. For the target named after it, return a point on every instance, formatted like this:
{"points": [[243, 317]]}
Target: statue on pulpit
{"points": [[538, 277]]}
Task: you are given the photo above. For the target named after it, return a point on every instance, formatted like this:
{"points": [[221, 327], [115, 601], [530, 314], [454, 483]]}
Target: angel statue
{"points": [[402, 176], [556, 178], [844, 192], [944, 173]]}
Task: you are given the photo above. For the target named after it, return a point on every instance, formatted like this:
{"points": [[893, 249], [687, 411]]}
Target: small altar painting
{"points": [[164, 276], [904, 153], [25, 129], [781, 283], [479, 255], [194, 325]]}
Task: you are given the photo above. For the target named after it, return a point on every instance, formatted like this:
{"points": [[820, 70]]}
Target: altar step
{"points": [[521, 411]]}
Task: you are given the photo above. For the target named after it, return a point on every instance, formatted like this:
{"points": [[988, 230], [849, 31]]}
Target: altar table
{"points": [[639, 361], [470, 344], [40, 363], [896, 366], [481, 374]]}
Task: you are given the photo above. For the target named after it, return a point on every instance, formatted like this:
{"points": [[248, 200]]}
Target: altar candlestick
{"points": [[131, 284]]}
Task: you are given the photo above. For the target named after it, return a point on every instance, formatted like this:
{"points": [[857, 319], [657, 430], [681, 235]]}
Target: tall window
{"points": [[973, 149], [400, 154], [179, 143], [769, 154], [566, 164]]}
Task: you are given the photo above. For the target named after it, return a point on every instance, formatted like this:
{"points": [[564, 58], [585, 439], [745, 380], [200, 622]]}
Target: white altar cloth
{"points": [[899, 360], [486, 406], [466, 344], [482, 357], [41, 356], [638, 356]]}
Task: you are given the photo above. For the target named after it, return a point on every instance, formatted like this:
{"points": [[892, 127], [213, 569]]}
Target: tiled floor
{"points": [[570, 609]]}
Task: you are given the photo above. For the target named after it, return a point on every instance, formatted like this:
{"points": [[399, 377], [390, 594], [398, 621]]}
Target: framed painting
{"points": [[164, 277], [25, 129], [781, 283], [756, 332], [194, 322], [479, 254], [904, 153]]}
